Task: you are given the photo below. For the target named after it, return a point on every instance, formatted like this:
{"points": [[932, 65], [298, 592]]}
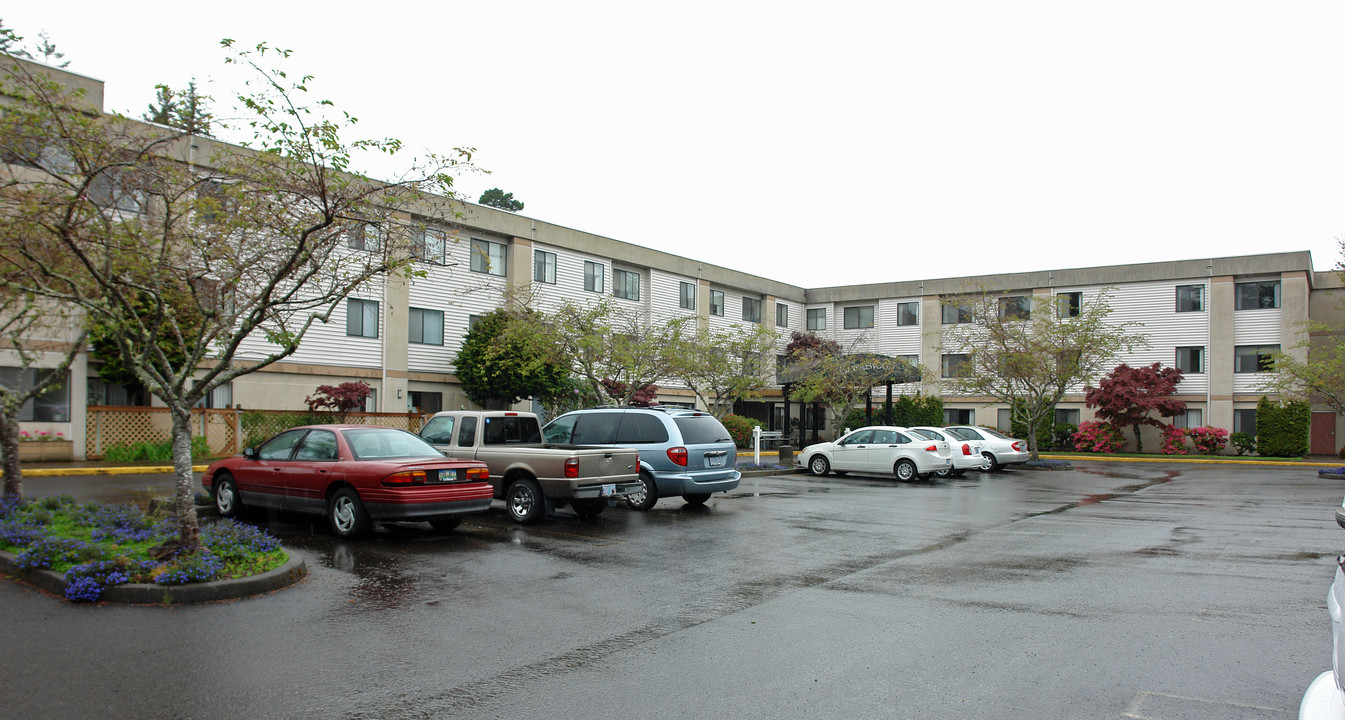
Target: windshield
{"points": [[380, 443]]}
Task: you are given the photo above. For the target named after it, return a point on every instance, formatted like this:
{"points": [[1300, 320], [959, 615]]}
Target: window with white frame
{"points": [[362, 318], [1066, 416], [817, 318], [426, 326], [1068, 304], [367, 237], [908, 313], [430, 244], [955, 365], [1244, 421], [544, 267], [472, 320], [781, 315], [1190, 298], [491, 258], [717, 303], [1261, 295], [1015, 307], [53, 405], [859, 317], [594, 275], [1254, 358], [955, 314], [958, 416], [686, 296], [752, 309], [1192, 418], [626, 284], [1191, 360]]}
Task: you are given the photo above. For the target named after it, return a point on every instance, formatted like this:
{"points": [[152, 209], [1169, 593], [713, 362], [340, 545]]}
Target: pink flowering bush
{"points": [[1098, 437], [1174, 440], [1208, 440], [40, 436]]}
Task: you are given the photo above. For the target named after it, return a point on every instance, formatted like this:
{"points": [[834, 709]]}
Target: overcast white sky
{"points": [[822, 143]]}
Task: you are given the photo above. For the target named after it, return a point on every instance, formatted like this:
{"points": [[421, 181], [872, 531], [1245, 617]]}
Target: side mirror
{"points": [[250, 453]]}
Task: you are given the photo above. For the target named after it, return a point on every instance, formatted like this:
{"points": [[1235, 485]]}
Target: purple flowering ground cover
{"points": [[98, 546]]}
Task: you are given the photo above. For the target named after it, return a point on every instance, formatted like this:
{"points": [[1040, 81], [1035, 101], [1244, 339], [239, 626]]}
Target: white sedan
{"points": [[880, 449], [998, 451], [966, 453]]}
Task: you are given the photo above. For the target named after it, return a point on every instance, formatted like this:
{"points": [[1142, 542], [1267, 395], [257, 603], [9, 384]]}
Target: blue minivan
{"points": [[682, 452]]}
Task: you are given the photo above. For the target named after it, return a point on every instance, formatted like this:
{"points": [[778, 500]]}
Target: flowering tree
{"points": [[163, 236], [1127, 396]]}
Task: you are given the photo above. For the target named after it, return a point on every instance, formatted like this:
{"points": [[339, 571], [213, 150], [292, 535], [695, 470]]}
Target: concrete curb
{"points": [[53, 582]]}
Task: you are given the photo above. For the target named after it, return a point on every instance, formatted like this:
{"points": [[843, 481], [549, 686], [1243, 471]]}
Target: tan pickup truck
{"points": [[531, 476]]}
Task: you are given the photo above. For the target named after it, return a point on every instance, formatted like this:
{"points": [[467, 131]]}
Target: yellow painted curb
{"points": [[144, 470]]}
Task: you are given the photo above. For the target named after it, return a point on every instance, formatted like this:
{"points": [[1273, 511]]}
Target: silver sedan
{"points": [[999, 450]]}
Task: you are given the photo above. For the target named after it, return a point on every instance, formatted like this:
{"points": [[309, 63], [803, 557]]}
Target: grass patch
{"points": [[98, 546]]}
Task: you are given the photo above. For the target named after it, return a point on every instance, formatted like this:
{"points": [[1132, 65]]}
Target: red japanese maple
{"points": [[1127, 396]]}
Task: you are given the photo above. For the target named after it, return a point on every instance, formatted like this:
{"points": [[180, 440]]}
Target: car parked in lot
{"points": [[682, 452], [353, 474], [880, 449], [966, 453], [1325, 698], [999, 449]]}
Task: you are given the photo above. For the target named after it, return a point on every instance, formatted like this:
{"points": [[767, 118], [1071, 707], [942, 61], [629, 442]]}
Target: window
{"points": [[752, 310], [1191, 359], [594, 274], [439, 430], [1066, 417], [781, 315], [817, 318], [625, 284], [365, 237], [859, 317], [1189, 419], [1258, 295], [472, 320], [1244, 421], [427, 327], [687, 296], [1068, 305], [362, 318], [955, 366], [640, 428], [1190, 298], [217, 399], [544, 266], [717, 303], [112, 190], [956, 315], [51, 406], [1015, 307], [1004, 420], [429, 244], [489, 257], [956, 416], [214, 200], [281, 446], [1254, 358], [318, 445], [908, 313]]}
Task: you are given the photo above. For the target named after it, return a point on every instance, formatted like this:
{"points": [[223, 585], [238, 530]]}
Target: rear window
{"points": [[926, 434], [701, 430], [963, 434], [511, 430]]}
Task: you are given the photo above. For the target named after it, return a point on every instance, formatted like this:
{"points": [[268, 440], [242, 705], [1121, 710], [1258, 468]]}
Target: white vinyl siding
{"points": [[1259, 328], [1153, 304]]}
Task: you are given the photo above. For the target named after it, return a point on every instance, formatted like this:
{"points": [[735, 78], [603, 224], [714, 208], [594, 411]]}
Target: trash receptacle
{"points": [[786, 455]]}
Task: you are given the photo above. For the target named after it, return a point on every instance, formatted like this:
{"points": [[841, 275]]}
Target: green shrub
{"points": [[907, 411], [740, 428], [154, 452], [1282, 428], [1062, 436], [1243, 444]]}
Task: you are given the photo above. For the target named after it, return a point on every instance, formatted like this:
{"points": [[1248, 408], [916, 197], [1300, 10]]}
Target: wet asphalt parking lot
{"points": [[1116, 590]]}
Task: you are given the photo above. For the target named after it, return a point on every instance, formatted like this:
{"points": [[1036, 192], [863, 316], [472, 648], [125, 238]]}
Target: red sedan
{"points": [[353, 474]]}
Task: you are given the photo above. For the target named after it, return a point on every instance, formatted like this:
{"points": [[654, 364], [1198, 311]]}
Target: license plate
{"points": [[608, 490], [717, 461]]}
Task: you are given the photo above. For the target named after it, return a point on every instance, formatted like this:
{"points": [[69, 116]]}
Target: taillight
{"points": [[479, 474], [932, 448], [966, 448], [410, 477], [1018, 447], [678, 456], [572, 468]]}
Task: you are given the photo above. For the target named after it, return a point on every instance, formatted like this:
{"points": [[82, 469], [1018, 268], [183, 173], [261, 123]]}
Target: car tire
{"points": [[346, 514], [695, 498], [818, 465], [989, 463], [227, 500], [946, 473], [445, 524], [590, 508], [525, 501], [905, 470], [646, 496], [959, 473]]}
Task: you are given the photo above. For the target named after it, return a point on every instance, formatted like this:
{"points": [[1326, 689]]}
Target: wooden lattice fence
{"points": [[226, 431]]}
